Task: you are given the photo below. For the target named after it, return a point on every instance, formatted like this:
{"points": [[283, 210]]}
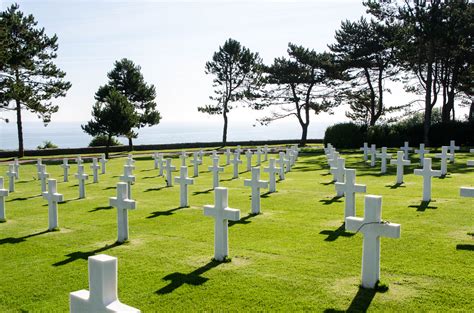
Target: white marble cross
{"points": [[327, 148], [196, 161], [130, 161], [3, 195], [201, 154], [235, 162], [444, 156], [373, 153], [427, 173], [406, 150], [452, 149], [157, 157], [272, 170], [128, 178], [281, 162], [123, 204], [169, 168], [65, 167], [238, 149], [214, 154], [183, 157], [42, 175], [365, 149], [103, 161], [39, 162], [161, 165], [248, 155], [373, 228], [338, 172], [292, 157], [348, 189], [255, 183], [384, 156], [102, 294], [11, 177], [17, 168], [222, 214], [183, 180], [79, 160], [95, 169], [265, 153], [333, 161], [258, 153], [288, 160], [53, 198], [215, 169], [422, 151], [400, 162], [227, 156], [81, 177]]}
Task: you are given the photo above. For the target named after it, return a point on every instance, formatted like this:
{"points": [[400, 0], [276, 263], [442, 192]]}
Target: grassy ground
{"points": [[294, 256]]}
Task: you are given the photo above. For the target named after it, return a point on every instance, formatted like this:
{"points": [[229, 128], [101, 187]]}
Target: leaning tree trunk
{"points": [[19, 125], [428, 107], [304, 135], [224, 131], [130, 144]]}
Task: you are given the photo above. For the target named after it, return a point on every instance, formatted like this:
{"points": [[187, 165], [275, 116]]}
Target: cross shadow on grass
{"points": [[395, 186], [157, 189], [194, 278], [73, 256], [110, 187], [267, 194], [229, 179], [328, 183], [466, 247], [423, 206], [244, 220], [13, 240], [362, 300], [326, 174], [203, 191], [150, 177], [23, 198], [100, 208], [332, 235], [331, 201], [165, 213]]}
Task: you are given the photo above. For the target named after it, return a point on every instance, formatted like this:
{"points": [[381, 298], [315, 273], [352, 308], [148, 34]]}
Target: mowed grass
{"points": [[293, 256]]}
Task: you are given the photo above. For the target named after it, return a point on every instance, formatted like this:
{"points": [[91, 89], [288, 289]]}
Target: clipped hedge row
{"points": [[351, 135]]}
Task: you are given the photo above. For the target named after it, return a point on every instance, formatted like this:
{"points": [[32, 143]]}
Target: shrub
{"points": [[47, 145], [345, 135], [101, 140]]}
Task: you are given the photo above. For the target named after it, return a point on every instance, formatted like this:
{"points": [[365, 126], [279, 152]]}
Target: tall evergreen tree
{"points": [[126, 78], [32, 79], [236, 73]]}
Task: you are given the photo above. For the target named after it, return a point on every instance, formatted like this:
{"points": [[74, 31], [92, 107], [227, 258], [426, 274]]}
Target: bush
{"points": [[101, 140], [47, 145], [345, 135]]}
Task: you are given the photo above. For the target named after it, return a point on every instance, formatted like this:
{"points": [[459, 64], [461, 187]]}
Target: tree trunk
{"points": [[471, 112], [224, 132], [428, 107], [21, 151], [304, 135], [130, 144]]}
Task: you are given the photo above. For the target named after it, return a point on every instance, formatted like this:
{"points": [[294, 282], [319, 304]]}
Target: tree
{"points": [[363, 50], [32, 79], [114, 116], [126, 78], [237, 73], [297, 85]]}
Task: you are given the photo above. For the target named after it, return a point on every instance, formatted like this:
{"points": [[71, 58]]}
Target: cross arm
{"points": [[389, 230], [353, 223], [360, 188], [3, 192], [232, 214], [210, 210]]}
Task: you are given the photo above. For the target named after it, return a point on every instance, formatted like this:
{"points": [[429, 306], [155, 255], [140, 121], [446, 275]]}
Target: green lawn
{"points": [[293, 256]]}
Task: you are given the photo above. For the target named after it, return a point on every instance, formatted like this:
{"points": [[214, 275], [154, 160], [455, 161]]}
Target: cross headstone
{"points": [[161, 165], [373, 228], [79, 160], [288, 161], [421, 152], [102, 294], [281, 162], [265, 153], [222, 214], [65, 167], [81, 177], [235, 162], [183, 157], [333, 162], [248, 155], [465, 192], [157, 157], [201, 154], [53, 198], [400, 162], [11, 177], [169, 168], [239, 149], [227, 156], [42, 175], [39, 162], [272, 171], [452, 149], [444, 156], [128, 178], [258, 153], [130, 161], [427, 173], [103, 162], [3, 195], [215, 169], [183, 180], [196, 161], [373, 153], [123, 204], [95, 169], [365, 149], [338, 173], [292, 157], [255, 183], [213, 154], [349, 189], [384, 156], [17, 168], [406, 150]]}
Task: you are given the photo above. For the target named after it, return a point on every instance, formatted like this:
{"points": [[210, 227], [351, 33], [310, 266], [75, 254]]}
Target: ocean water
{"points": [[70, 134]]}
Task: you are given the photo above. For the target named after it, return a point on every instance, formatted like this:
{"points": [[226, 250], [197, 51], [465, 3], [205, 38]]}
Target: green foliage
{"points": [[33, 79], [345, 135], [47, 144], [103, 140]]}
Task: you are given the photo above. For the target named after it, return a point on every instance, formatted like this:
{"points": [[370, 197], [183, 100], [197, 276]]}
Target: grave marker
{"points": [[17, 168], [365, 149], [42, 175], [373, 153], [65, 167], [227, 156], [196, 161], [427, 173], [272, 171], [39, 162], [444, 156], [422, 151], [79, 160], [53, 198], [400, 162], [169, 171], [81, 177], [452, 149], [103, 162], [338, 173], [183, 180], [215, 169], [235, 162], [128, 178], [406, 150], [95, 170], [384, 156], [282, 161], [258, 153], [467, 192], [248, 155], [265, 153], [123, 204], [183, 157], [3, 195], [349, 189], [255, 183], [11, 177], [157, 158]]}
